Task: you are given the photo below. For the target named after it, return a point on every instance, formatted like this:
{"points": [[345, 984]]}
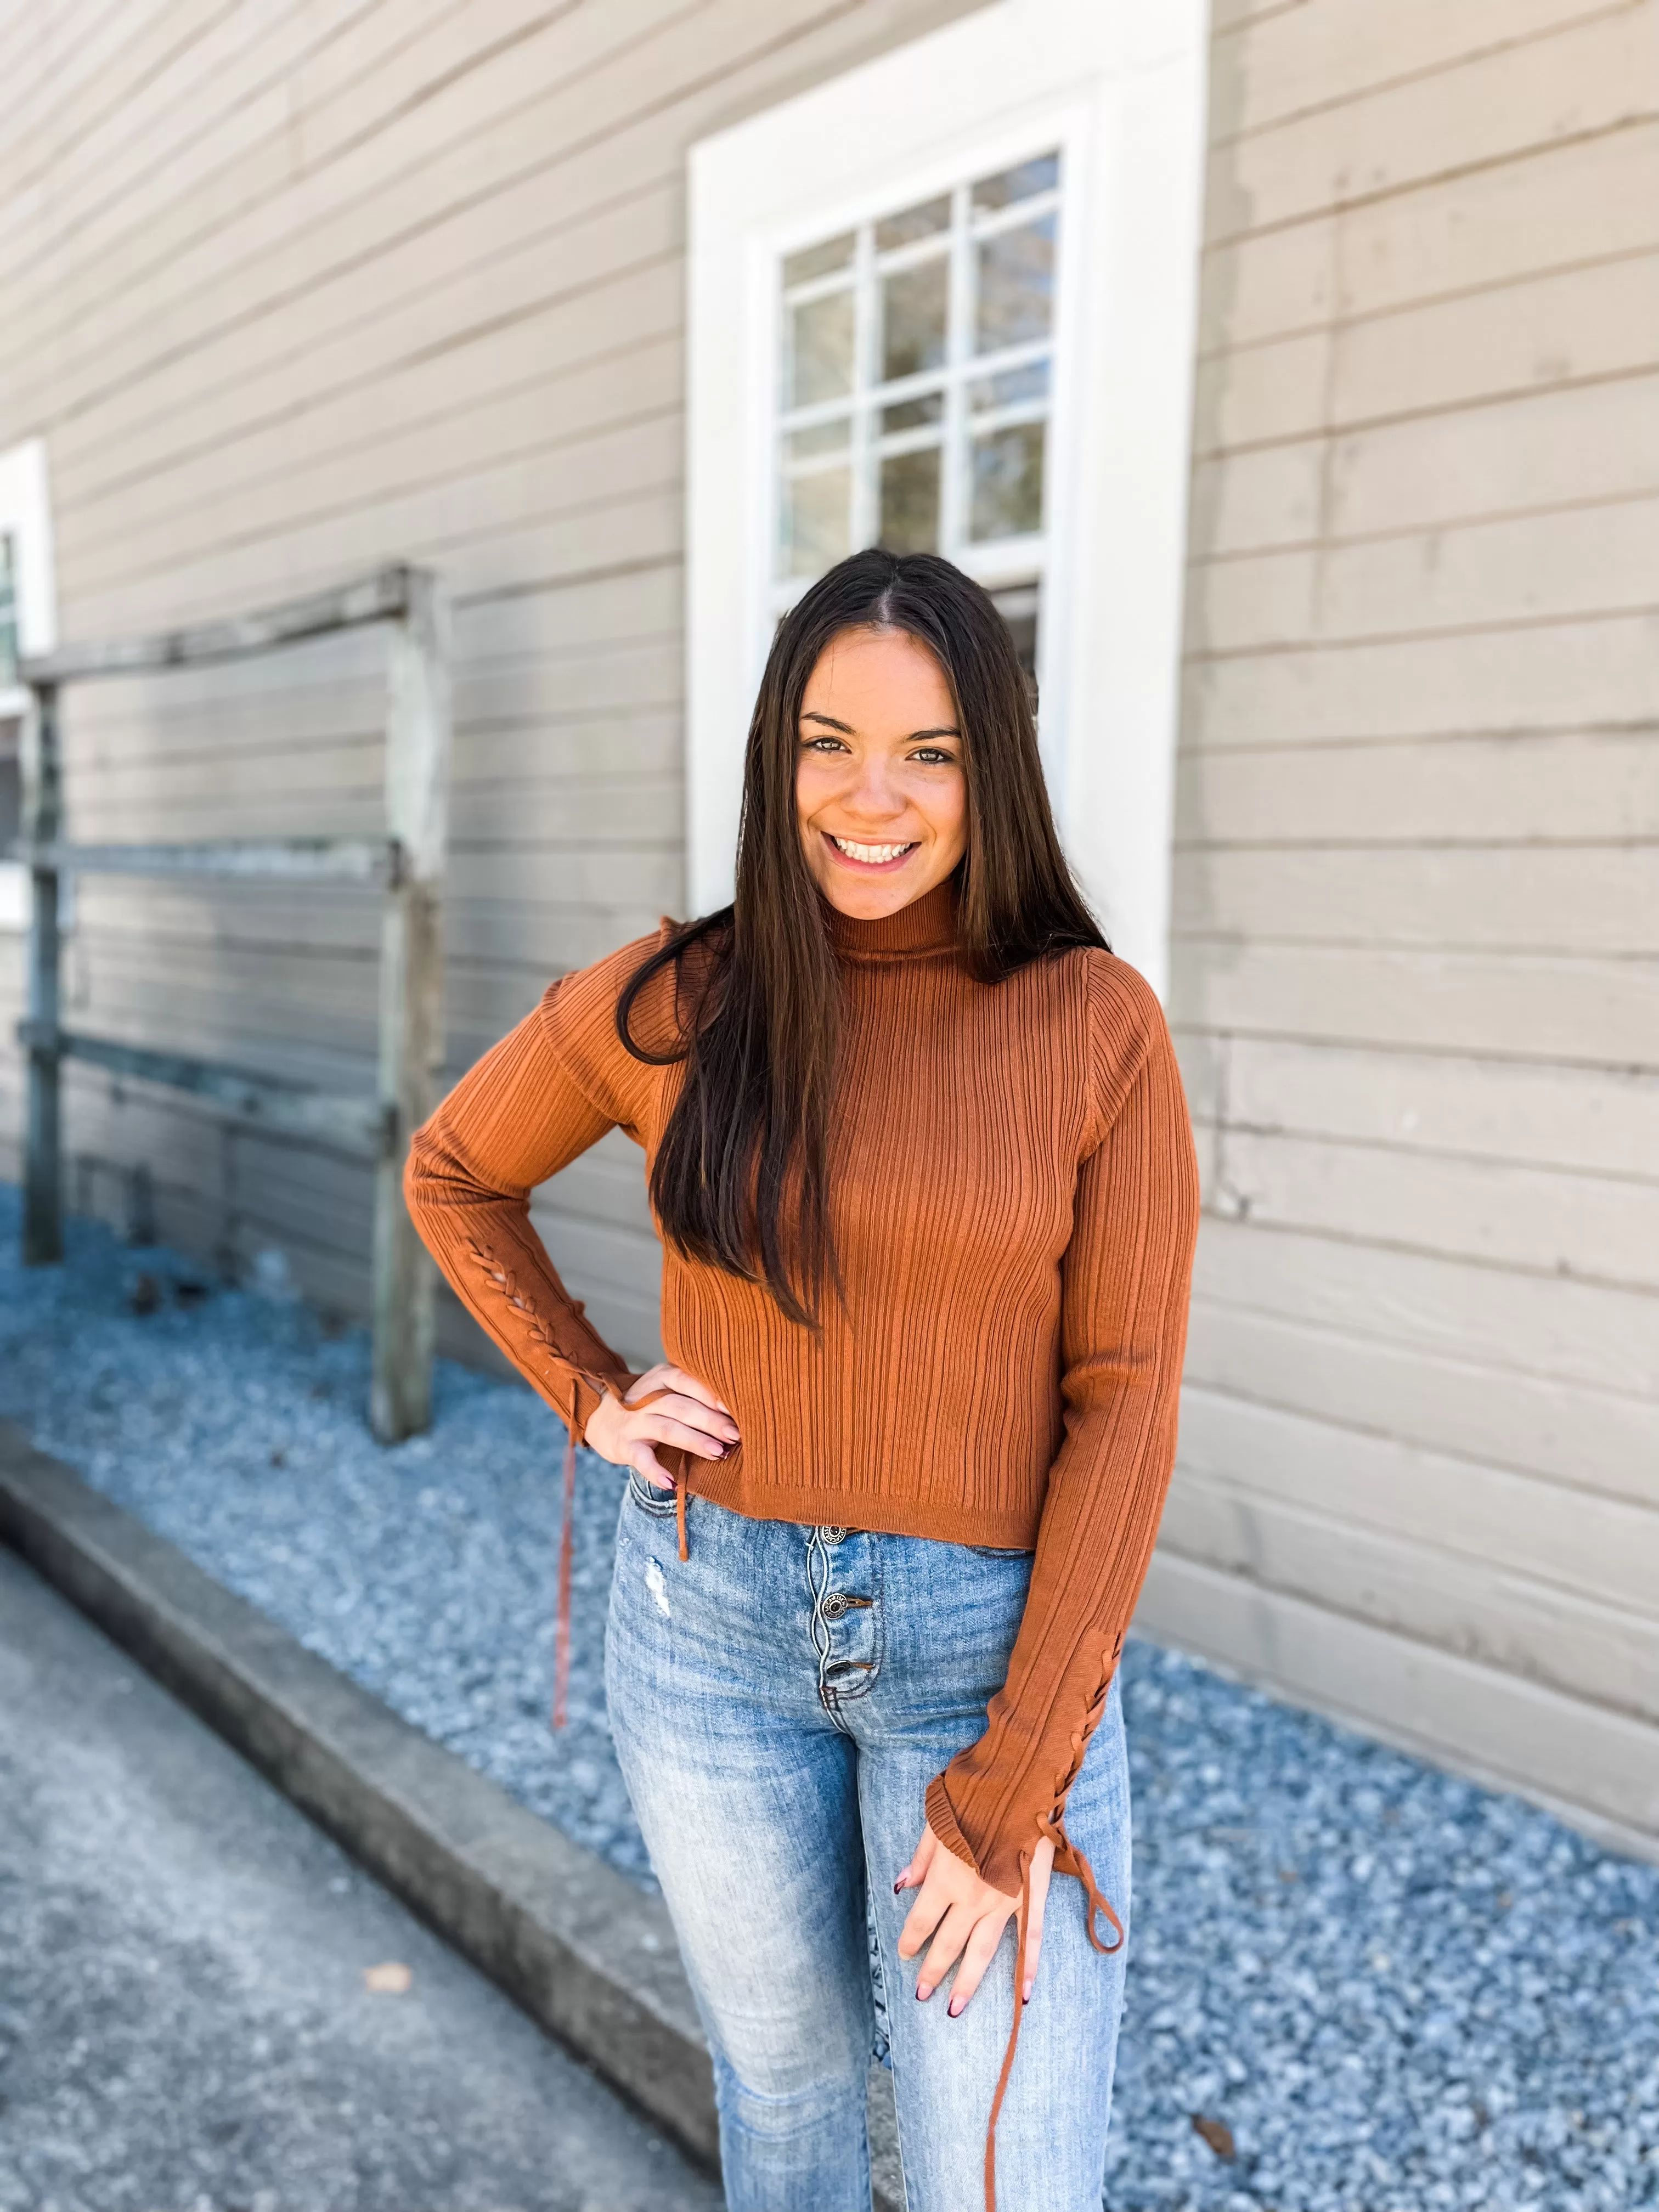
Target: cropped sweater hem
{"points": [[826, 1506]]}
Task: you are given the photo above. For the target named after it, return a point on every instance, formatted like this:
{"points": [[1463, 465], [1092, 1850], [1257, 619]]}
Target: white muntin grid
{"points": [[831, 449]]}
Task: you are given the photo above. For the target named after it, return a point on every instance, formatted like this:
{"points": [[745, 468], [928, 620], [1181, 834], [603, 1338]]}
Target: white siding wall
{"points": [[1416, 906], [291, 292]]}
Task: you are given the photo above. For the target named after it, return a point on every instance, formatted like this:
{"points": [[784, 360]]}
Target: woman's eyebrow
{"points": [[945, 729]]}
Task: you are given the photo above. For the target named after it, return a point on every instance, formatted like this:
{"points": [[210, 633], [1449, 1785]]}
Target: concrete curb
{"points": [[584, 1953]]}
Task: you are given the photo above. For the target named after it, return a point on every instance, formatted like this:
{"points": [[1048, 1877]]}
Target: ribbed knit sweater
{"points": [[1013, 1199]]}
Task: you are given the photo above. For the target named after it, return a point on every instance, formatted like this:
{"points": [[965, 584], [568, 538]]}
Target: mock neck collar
{"points": [[927, 924]]}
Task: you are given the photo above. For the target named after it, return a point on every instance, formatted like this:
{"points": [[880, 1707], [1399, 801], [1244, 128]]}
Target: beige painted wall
{"points": [[291, 292], [409, 285], [1416, 974]]}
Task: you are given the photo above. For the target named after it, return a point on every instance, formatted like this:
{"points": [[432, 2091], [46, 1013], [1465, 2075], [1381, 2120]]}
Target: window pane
{"points": [[1041, 175], [911, 414], [8, 613], [1016, 286], [1007, 483], [909, 502], [1013, 388], [819, 260], [915, 222], [822, 438], [1020, 606], [820, 349], [815, 521], [913, 307]]}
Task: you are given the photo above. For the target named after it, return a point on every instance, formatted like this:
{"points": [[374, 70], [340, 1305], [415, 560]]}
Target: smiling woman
{"points": [[883, 797], [921, 1164]]}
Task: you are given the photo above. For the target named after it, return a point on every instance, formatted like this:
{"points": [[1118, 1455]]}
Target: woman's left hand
{"points": [[969, 1917]]}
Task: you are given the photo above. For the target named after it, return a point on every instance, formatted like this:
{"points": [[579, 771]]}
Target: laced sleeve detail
{"points": [[571, 1365], [515, 1119]]}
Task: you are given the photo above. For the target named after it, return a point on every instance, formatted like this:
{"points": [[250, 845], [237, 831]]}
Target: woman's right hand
{"points": [[683, 1411]]}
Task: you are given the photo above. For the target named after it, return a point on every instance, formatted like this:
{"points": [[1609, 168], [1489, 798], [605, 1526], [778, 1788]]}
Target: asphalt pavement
{"points": [[205, 2006]]}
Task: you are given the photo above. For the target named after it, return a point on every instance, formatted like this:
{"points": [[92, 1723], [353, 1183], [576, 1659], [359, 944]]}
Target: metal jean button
{"points": [[834, 1606], [833, 1537]]}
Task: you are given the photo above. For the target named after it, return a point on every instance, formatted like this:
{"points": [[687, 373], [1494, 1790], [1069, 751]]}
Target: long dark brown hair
{"points": [[741, 1177]]}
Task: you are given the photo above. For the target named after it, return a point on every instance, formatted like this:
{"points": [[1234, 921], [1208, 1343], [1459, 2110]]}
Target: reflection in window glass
{"points": [[1007, 472], [7, 611], [909, 501], [1022, 183], [11, 788], [820, 349], [1016, 286], [817, 514], [832, 437], [1019, 606], [1013, 388], [913, 224], [913, 305], [819, 260], [912, 413]]}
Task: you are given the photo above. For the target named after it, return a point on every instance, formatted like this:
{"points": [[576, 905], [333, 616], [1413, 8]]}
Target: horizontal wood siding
{"points": [[410, 287], [1416, 906]]}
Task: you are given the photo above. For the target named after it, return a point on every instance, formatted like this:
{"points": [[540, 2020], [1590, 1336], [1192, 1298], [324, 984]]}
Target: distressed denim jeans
{"points": [[780, 1701]]}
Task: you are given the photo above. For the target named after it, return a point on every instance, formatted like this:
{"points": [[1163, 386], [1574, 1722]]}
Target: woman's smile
{"points": [[869, 860]]}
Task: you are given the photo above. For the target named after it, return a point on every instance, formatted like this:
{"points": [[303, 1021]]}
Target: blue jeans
{"points": [[780, 1703]]}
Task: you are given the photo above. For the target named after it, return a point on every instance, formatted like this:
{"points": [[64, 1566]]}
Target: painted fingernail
{"points": [[922, 1995], [1026, 1998], [898, 1885], [955, 2007]]}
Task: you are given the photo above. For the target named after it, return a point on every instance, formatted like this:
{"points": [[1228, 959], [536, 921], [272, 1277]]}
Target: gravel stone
{"points": [[1380, 1988]]}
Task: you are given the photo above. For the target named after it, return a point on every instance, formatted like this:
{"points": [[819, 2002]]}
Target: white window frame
{"points": [[1120, 88], [25, 517]]}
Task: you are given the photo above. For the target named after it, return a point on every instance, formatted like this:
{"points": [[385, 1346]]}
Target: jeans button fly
{"points": [[832, 1536], [835, 1606]]}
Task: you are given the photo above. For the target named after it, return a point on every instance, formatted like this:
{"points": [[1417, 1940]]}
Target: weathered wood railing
{"points": [[406, 866]]}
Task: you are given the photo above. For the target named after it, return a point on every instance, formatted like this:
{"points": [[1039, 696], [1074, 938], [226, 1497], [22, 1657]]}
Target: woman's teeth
{"points": [[871, 855]]}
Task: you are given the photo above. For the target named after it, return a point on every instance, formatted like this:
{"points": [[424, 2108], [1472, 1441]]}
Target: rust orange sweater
{"points": [[1014, 1202]]}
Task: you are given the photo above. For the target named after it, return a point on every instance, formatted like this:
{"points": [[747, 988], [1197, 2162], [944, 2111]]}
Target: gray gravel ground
{"points": [[1378, 1988], [184, 2025]]}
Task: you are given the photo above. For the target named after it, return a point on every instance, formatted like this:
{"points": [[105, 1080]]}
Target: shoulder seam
{"points": [[1132, 1000]]}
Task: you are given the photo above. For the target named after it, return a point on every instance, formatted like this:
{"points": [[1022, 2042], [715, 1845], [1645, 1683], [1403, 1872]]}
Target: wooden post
{"points": [[43, 1190], [412, 1001]]}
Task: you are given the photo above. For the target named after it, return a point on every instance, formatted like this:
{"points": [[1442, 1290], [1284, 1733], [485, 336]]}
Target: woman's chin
{"points": [[872, 896]]}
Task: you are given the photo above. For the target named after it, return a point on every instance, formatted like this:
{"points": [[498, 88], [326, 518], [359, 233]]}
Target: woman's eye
{"points": [[932, 756]]}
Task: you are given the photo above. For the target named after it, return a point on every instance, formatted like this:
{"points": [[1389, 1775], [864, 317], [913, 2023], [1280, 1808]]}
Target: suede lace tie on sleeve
{"points": [[1068, 1859], [567, 1555]]}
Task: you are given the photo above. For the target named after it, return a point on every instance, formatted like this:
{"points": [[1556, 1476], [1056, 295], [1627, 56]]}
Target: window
{"points": [[947, 301], [914, 384]]}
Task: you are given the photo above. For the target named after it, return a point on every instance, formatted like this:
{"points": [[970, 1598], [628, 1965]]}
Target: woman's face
{"points": [[879, 783]]}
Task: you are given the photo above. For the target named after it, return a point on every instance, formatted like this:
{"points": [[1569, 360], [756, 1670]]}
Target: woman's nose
{"points": [[873, 797]]}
